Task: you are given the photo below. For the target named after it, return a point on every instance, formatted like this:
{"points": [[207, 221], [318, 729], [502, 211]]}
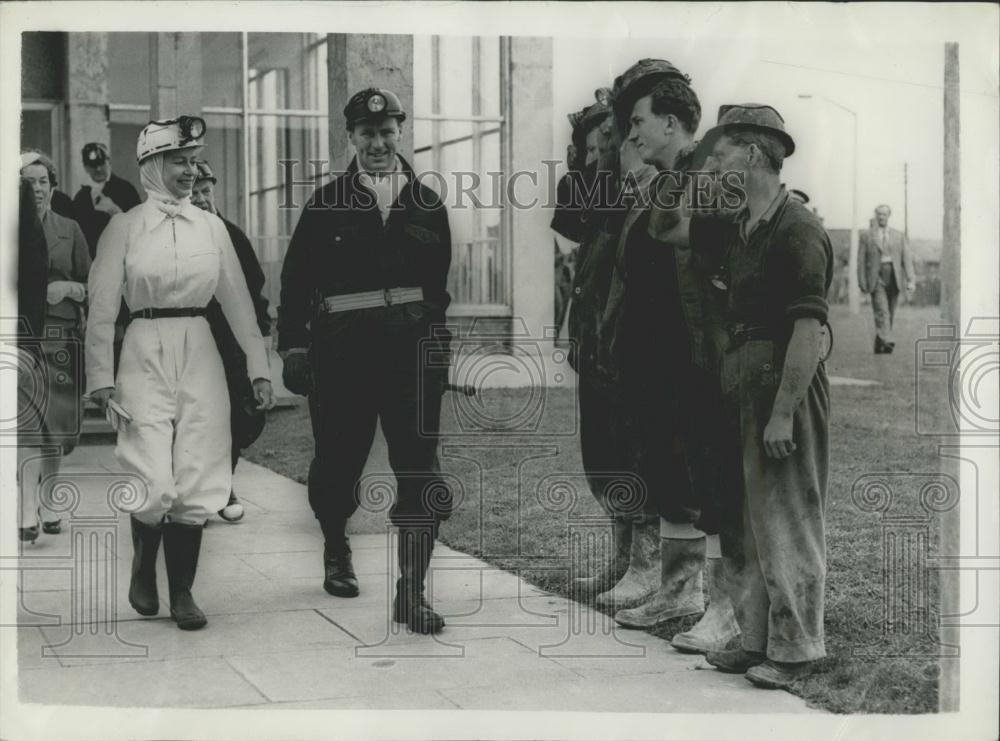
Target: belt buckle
{"points": [[387, 295]]}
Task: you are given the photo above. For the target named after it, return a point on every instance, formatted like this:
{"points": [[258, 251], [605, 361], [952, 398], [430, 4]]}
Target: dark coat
{"points": [[341, 246], [32, 267], [93, 221]]}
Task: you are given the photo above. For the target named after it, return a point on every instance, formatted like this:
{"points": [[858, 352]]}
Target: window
{"points": [[264, 99], [459, 126]]}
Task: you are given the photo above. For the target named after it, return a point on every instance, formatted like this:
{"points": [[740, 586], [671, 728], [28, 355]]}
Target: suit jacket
{"points": [[69, 259], [870, 259], [93, 221]]}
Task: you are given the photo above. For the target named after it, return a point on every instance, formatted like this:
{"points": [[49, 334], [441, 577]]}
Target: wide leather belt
{"points": [[170, 313], [370, 299]]}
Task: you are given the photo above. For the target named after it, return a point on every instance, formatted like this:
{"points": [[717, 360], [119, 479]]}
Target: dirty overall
{"points": [[777, 549]]}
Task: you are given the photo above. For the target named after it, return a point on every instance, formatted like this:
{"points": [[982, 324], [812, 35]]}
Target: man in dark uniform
{"points": [[95, 204], [778, 268], [244, 425], [363, 300]]}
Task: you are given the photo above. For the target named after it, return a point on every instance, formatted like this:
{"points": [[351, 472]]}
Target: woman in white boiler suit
{"points": [[167, 258]]}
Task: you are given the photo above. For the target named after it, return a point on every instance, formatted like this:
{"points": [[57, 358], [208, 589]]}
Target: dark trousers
{"points": [[610, 481], [777, 555], [884, 299], [371, 366]]}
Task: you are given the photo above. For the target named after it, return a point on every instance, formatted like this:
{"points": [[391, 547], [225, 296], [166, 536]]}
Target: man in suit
{"points": [[107, 195], [885, 267]]}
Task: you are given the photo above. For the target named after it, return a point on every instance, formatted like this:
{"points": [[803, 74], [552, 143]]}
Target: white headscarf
{"points": [[151, 177]]}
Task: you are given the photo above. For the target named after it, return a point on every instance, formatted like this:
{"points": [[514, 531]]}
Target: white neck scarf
{"points": [[151, 176], [386, 186]]}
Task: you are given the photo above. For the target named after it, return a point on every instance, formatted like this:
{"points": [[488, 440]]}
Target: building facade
{"points": [[479, 110]]}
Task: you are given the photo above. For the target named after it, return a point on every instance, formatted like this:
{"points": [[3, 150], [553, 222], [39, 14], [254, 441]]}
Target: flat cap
{"points": [[372, 104]]}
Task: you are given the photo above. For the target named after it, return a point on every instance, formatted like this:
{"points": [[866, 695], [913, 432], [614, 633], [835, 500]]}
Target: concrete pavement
{"points": [[276, 639]]}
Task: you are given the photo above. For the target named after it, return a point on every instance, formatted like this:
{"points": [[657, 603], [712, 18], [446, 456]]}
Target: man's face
{"points": [[882, 216], [203, 195], [99, 173], [593, 145], [727, 157], [650, 133], [375, 143]]}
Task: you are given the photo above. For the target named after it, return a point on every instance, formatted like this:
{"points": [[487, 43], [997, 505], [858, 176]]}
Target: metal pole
{"points": [[854, 291], [906, 201]]}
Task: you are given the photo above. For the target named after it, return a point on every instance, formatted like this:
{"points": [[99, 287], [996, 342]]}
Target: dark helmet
{"points": [[373, 103]]}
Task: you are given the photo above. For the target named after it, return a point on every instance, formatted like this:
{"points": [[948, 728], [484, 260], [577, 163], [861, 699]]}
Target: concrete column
{"points": [[358, 61], [175, 74], [532, 142], [86, 103]]}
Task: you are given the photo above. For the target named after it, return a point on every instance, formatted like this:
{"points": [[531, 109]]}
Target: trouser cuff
{"points": [[808, 649]]}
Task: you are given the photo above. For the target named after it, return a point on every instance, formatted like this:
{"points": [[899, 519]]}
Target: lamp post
{"points": [[853, 291]]}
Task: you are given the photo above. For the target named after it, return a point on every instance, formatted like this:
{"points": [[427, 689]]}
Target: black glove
{"points": [[297, 374]]}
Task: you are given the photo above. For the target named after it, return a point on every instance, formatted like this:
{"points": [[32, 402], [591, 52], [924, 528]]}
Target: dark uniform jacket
{"points": [[93, 221], [341, 246]]}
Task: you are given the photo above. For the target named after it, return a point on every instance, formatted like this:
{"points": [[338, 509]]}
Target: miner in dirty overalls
{"points": [[589, 212], [660, 336], [360, 330], [776, 272]]}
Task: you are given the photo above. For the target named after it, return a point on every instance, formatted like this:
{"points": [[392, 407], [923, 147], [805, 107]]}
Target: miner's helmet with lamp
{"points": [[373, 104], [183, 132]]}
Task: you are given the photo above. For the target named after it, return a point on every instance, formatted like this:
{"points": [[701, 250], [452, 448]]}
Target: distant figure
{"points": [[884, 267], [107, 195]]}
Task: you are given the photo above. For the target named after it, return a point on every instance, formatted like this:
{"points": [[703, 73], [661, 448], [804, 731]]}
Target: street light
{"points": [[853, 291]]}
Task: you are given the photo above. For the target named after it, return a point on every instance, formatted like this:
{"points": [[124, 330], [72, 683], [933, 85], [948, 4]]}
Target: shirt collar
{"points": [[744, 215], [153, 216]]}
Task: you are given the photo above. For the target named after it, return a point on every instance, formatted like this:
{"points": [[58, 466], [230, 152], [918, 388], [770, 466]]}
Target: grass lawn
{"points": [[520, 493]]}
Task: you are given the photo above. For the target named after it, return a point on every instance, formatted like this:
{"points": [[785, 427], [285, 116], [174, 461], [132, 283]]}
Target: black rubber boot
{"points": [[339, 578], [142, 592], [410, 606], [181, 546]]}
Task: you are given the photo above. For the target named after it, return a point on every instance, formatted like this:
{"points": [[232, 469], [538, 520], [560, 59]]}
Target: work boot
{"points": [[339, 578], [410, 606], [614, 569], [181, 546], [642, 577], [778, 675], [718, 625], [142, 592], [735, 660], [680, 591]]}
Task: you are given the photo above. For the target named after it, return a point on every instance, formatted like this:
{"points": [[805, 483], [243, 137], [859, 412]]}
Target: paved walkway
{"points": [[276, 639]]}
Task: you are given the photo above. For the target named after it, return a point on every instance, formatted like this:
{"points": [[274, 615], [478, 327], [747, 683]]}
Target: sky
{"points": [[895, 89]]}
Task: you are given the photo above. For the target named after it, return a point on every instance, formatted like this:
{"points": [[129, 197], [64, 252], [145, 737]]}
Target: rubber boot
{"points": [[680, 591], [718, 625], [410, 606], [614, 569], [142, 592], [181, 546], [643, 574], [339, 578]]}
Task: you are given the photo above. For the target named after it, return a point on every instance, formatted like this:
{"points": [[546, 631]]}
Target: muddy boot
{"points": [[718, 626], [142, 592], [614, 569], [643, 575], [410, 606], [181, 546], [680, 593]]}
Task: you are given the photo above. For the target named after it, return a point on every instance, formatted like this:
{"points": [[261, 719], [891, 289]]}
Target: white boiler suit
{"points": [[170, 377]]}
